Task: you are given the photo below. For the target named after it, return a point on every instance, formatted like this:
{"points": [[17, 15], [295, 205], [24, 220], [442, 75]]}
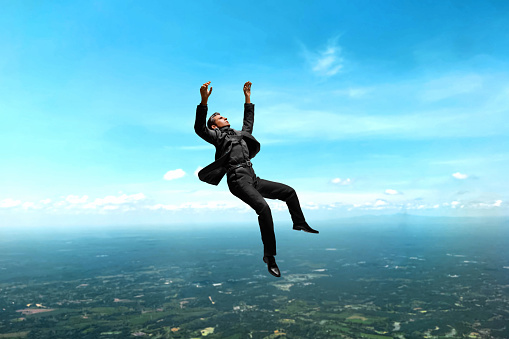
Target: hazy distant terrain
{"points": [[370, 278]]}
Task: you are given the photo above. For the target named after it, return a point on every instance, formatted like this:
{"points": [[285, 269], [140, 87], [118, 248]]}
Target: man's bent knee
{"points": [[289, 193], [263, 209]]}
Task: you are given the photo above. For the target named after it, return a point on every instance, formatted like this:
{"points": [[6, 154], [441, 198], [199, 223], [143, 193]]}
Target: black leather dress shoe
{"points": [[304, 227], [272, 266]]}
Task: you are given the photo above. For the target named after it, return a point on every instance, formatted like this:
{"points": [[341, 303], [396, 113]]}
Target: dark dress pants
{"points": [[245, 185]]}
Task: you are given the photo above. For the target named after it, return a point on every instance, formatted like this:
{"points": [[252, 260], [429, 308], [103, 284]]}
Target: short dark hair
{"points": [[212, 120]]}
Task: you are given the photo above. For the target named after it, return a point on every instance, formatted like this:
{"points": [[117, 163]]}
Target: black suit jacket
{"points": [[214, 172]]}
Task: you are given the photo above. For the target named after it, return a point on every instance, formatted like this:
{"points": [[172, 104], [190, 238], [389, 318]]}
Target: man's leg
{"points": [[244, 190], [276, 190]]}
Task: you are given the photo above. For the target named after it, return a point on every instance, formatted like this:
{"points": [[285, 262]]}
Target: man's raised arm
{"points": [[200, 124], [248, 109]]}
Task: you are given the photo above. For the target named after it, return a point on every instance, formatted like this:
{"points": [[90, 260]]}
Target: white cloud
{"points": [[343, 182], [175, 174], [337, 198], [486, 205], [326, 62], [163, 206], [112, 200], [380, 202], [458, 175], [192, 201], [391, 192], [311, 206], [6, 203], [454, 204], [277, 206]]}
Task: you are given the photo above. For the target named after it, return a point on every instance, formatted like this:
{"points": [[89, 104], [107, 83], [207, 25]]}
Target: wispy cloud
{"points": [[472, 160], [439, 123], [451, 85], [326, 61], [396, 110], [391, 192], [174, 174]]}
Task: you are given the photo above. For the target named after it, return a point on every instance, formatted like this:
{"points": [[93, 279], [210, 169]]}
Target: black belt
{"points": [[244, 164]]}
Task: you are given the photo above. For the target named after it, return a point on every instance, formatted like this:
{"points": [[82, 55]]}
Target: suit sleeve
{"points": [[247, 126], [200, 126]]}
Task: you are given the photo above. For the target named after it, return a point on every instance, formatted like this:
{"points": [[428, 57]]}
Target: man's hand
{"points": [[205, 93], [247, 91]]}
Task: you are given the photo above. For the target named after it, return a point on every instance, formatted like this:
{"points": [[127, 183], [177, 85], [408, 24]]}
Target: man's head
{"points": [[217, 121]]}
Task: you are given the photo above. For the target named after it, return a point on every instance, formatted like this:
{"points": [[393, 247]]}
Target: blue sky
{"points": [[364, 107]]}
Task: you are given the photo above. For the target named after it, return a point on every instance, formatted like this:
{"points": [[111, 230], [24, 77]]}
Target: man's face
{"points": [[220, 122]]}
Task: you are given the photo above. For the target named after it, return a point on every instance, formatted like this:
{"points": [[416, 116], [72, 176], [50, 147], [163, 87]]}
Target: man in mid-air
{"points": [[234, 149]]}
